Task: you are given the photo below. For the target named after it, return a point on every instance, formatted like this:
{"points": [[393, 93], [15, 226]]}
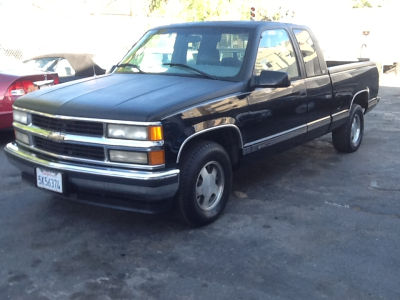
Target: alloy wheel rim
{"points": [[210, 185], [355, 130]]}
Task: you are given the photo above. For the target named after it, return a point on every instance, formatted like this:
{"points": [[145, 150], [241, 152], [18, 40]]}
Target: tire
{"points": [[205, 183], [348, 137]]}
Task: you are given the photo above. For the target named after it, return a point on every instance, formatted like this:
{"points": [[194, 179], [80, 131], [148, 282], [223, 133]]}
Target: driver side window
{"points": [[64, 69], [276, 53]]}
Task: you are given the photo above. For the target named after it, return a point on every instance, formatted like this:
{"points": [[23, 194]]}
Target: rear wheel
{"points": [[348, 137], [205, 183]]}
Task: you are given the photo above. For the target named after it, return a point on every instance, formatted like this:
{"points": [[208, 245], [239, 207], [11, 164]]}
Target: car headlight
{"points": [[20, 117], [156, 157], [128, 157], [128, 132], [133, 132], [21, 137]]}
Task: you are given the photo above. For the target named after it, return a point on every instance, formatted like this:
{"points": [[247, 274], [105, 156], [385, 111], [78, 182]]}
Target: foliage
{"points": [[361, 3], [367, 3], [196, 10], [274, 15], [156, 4]]}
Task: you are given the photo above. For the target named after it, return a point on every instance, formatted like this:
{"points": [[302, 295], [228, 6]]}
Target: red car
{"points": [[16, 83]]}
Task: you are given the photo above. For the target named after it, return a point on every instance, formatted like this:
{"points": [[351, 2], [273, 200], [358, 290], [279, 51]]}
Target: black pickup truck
{"points": [[178, 112]]}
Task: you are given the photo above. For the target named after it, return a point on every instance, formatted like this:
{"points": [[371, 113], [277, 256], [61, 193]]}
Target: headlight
{"points": [[20, 116], [21, 137], [128, 157], [128, 132], [132, 132]]}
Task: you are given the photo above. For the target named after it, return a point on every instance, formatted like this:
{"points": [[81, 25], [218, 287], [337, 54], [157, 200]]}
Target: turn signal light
{"points": [[157, 157], [155, 133]]}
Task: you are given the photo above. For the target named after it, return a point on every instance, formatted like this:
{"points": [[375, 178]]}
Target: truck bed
{"points": [[334, 63], [350, 79]]}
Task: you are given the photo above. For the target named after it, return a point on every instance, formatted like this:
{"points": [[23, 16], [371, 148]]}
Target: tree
{"points": [[274, 15], [205, 10], [156, 4], [367, 3]]}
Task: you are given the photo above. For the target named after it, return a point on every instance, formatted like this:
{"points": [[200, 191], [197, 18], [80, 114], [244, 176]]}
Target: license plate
{"points": [[49, 180]]}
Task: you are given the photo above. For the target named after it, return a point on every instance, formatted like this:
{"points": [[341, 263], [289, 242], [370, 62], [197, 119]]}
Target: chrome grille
{"points": [[68, 126], [72, 150], [79, 139]]}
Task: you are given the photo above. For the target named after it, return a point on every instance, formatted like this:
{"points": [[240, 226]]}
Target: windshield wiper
{"points": [[190, 68], [130, 65]]}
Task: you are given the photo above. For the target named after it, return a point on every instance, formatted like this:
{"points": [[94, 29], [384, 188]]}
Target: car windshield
{"points": [[41, 64], [204, 52]]}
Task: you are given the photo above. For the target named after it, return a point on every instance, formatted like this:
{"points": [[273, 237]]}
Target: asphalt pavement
{"points": [[308, 223]]}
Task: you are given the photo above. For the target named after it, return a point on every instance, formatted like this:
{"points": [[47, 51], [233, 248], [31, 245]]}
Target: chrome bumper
{"points": [[141, 185]]}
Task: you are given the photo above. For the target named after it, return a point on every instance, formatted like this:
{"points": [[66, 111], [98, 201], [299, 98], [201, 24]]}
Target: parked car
{"points": [[68, 66], [171, 129], [16, 81]]}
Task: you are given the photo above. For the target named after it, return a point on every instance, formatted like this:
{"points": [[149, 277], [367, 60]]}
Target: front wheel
{"points": [[348, 137], [205, 183]]}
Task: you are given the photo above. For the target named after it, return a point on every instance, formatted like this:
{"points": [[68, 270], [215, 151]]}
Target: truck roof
{"points": [[240, 24]]}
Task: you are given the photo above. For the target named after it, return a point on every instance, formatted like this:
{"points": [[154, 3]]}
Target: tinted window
{"points": [[308, 52], [157, 51], [229, 50], [216, 52], [276, 53], [42, 64], [63, 68]]}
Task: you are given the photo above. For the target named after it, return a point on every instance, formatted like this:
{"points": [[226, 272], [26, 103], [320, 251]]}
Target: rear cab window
{"points": [[308, 52]]}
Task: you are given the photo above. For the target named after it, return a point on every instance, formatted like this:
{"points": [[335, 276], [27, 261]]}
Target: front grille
{"points": [[73, 150], [68, 126]]}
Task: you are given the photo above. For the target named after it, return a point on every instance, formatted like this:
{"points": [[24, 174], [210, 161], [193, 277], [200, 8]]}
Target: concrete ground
{"points": [[307, 223]]}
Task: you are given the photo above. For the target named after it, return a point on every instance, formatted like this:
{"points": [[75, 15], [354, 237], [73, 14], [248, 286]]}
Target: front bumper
{"points": [[146, 191]]}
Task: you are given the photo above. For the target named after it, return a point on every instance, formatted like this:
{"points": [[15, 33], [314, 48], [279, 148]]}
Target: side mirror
{"points": [[272, 79]]}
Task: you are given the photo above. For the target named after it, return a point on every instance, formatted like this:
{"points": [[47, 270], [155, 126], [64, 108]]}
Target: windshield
{"points": [[204, 52], [42, 63]]}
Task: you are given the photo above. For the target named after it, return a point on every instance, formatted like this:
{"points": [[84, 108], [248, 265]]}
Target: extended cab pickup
{"points": [[179, 111]]}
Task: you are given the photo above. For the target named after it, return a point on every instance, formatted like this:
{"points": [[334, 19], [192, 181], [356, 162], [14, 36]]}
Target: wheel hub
{"points": [[210, 185], [355, 130]]}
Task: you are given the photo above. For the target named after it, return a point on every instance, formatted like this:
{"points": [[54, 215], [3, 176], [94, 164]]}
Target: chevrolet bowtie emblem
{"points": [[56, 137]]}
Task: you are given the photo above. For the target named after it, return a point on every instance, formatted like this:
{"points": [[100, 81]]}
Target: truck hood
{"points": [[133, 97]]}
